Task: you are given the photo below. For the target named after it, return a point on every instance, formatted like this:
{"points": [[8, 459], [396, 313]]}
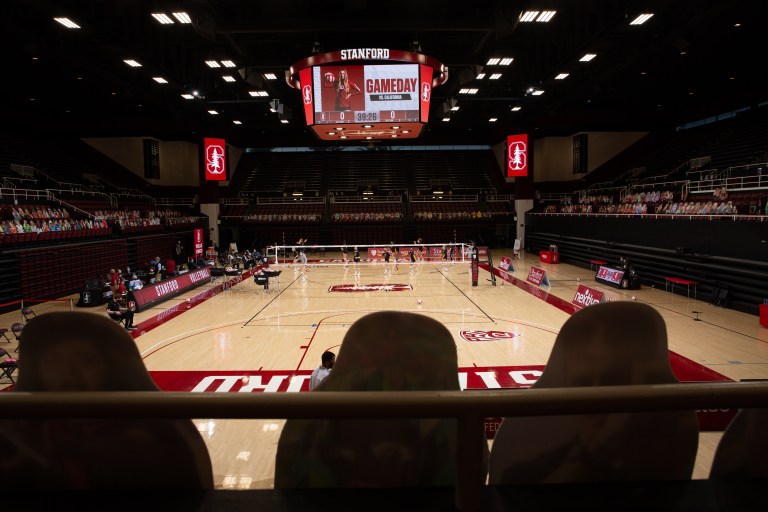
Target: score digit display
{"points": [[611, 275]]}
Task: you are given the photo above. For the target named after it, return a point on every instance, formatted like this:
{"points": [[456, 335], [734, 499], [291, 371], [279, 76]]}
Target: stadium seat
{"points": [[82, 352], [383, 351], [608, 344], [743, 449]]}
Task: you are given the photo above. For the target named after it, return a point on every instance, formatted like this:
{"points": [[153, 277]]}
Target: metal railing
{"points": [[468, 408]]}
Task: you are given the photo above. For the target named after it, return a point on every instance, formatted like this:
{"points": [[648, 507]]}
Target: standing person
{"points": [[356, 259], [321, 372], [179, 251], [444, 257], [411, 254], [452, 254], [344, 250], [420, 249], [395, 252], [303, 258], [344, 88], [387, 256]]}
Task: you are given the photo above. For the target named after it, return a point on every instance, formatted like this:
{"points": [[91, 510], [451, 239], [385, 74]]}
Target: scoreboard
{"points": [[366, 101]]}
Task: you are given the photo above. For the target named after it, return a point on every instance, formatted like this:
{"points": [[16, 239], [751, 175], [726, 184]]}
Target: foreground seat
{"points": [[384, 351], [609, 344], [85, 352]]}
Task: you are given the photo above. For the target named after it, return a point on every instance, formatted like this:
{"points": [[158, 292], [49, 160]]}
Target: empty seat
{"points": [[384, 351], [79, 351], [609, 344]]}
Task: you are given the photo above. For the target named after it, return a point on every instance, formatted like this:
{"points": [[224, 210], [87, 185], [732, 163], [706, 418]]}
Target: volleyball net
{"points": [[369, 254]]}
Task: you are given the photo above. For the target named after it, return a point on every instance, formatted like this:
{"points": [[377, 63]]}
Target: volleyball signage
{"points": [[215, 159], [154, 293], [586, 296], [506, 264], [517, 155], [538, 276]]}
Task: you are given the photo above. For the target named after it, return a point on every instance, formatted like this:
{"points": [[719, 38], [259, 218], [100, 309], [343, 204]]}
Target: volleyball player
{"points": [[356, 260], [444, 257], [452, 254], [395, 253], [387, 256], [344, 250]]}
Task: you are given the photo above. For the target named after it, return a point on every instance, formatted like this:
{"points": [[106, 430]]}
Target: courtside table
{"points": [[672, 281]]}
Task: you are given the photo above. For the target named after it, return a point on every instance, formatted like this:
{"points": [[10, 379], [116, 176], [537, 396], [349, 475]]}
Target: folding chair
{"points": [[3, 332], [16, 329], [8, 365], [28, 314]]}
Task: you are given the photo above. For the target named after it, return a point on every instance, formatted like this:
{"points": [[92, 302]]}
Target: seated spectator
{"points": [[135, 283], [83, 352], [119, 312]]}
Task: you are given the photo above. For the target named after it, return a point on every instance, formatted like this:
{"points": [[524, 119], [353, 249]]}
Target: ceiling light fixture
{"points": [[163, 18], [67, 22], [182, 17], [641, 19]]}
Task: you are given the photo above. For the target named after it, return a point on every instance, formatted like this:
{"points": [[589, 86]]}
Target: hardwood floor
{"points": [[260, 341]]}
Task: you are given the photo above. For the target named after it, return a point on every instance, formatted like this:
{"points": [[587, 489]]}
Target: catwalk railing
{"points": [[469, 409]]}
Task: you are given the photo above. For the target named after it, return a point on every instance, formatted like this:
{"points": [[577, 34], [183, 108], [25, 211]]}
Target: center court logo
{"points": [[370, 288], [480, 336]]}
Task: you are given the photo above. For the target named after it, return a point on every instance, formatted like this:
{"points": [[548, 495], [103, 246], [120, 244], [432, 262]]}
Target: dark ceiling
{"points": [[691, 60]]}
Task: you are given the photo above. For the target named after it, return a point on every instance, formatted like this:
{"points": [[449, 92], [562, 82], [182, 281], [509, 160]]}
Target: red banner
{"points": [[425, 91], [517, 155], [505, 264], [307, 94], [153, 293], [536, 276], [586, 296], [198, 244], [215, 159]]}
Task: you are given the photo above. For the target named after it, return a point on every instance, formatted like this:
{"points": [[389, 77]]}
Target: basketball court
{"points": [[233, 336]]}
